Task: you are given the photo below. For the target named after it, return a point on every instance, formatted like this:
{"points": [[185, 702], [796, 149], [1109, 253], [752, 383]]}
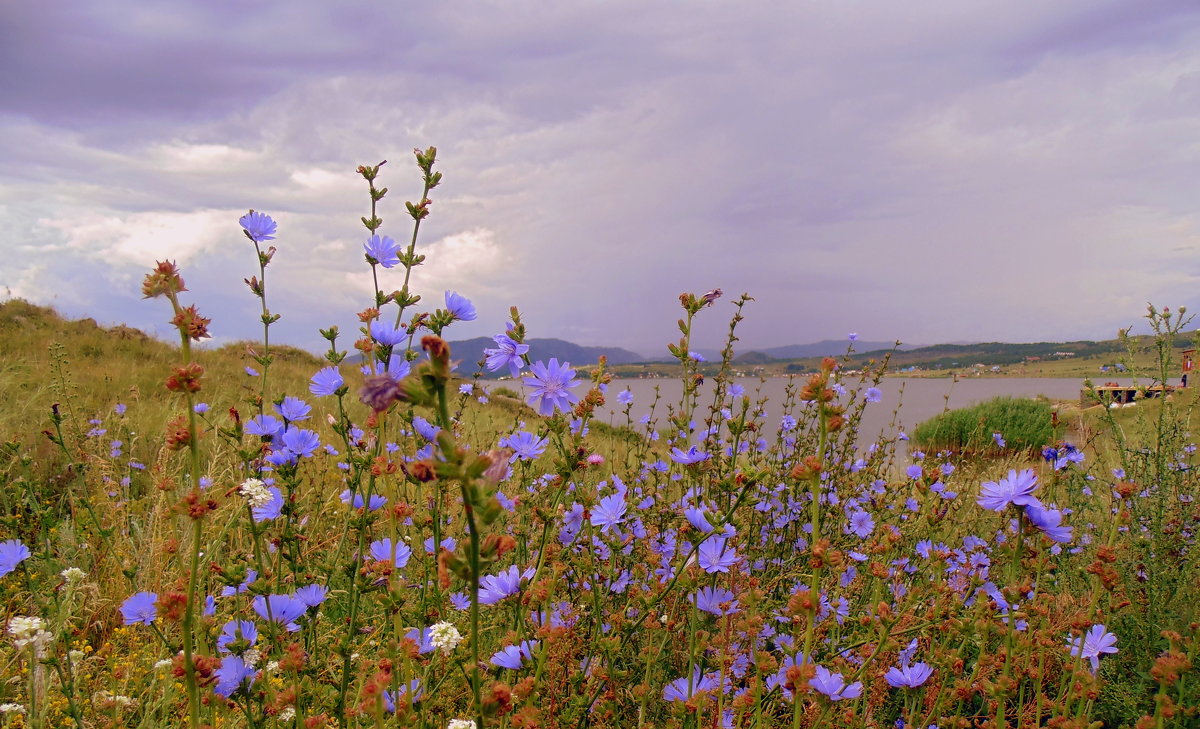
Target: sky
{"points": [[927, 171]]}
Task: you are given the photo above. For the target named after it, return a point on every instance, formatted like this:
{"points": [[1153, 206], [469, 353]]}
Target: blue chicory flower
{"points": [[382, 250], [326, 382], [834, 686], [551, 384], [460, 307], [1016, 488], [140, 608], [12, 553], [382, 550], [259, 227]]}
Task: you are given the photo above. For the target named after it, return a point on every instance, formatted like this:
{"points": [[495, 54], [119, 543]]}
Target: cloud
{"points": [[137, 238], [925, 172]]}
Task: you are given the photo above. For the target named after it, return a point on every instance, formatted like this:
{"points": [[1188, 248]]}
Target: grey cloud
{"points": [[925, 171]]}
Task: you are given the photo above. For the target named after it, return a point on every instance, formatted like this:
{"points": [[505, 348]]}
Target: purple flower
{"points": [[688, 457], [325, 382], [412, 690], [12, 553], [265, 426], [494, 588], [460, 307], [422, 638], [382, 550], [237, 630], [513, 656], [425, 429], [293, 409], [140, 608], [396, 368], [508, 352], [1049, 521], [683, 689], [698, 518], [715, 556], [625, 397], [1092, 643], [258, 226], [852, 336], [312, 595], [907, 676], [376, 502], [551, 385], [282, 457], [999, 439], [1016, 488], [861, 524], [232, 673], [526, 446], [834, 686], [270, 510], [448, 544], [779, 678], [609, 512], [382, 250], [251, 576], [914, 471], [301, 442], [710, 599], [873, 394], [386, 334], [200, 408], [282, 609]]}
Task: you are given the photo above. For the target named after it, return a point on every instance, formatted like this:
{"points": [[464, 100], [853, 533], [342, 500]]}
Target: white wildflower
{"points": [[73, 575], [107, 699], [255, 493], [286, 715], [27, 631], [461, 724], [12, 709], [163, 664], [23, 626], [272, 667], [444, 636], [252, 657]]}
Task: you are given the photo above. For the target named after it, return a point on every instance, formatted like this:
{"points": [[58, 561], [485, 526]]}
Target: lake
{"points": [[916, 399]]}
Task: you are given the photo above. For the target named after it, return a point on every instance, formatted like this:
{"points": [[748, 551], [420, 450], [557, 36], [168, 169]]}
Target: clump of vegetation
{"points": [[999, 424]]}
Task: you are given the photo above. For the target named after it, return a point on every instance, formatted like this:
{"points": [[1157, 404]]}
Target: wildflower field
{"points": [[374, 540]]}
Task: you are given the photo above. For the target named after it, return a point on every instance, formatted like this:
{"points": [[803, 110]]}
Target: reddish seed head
{"points": [[163, 280]]}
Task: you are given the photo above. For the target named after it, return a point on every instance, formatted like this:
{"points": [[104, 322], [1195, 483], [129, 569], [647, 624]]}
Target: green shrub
{"points": [[1025, 424]]}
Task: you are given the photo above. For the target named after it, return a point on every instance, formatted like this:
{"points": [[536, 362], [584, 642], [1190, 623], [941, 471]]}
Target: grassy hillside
{"points": [[88, 370]]}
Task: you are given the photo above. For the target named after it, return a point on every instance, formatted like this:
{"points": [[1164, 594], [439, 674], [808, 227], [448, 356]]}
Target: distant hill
{"points": [[753, 358], [824, 348], [470, 351], [941, 356]]}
